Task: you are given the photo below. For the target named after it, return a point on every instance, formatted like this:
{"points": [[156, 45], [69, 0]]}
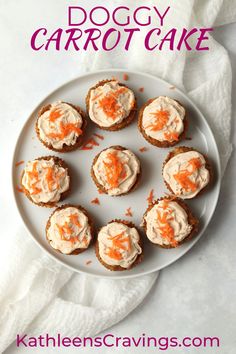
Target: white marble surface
{"points": [[193, 297]]}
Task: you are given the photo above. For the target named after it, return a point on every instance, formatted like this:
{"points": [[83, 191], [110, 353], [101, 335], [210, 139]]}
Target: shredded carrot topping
{"points": [[161, 119], [114, 169], [150, 197], [143, 149], [19, 163], [129, 212], [67, 228], [119, 242], [65, 129], [95, 201], [171, 136], [166, 230], [109, 103], [183, 179], [54, 115]]}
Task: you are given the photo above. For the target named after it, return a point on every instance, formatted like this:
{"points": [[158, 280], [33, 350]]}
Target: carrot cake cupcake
{"points": [[69, 229], [111, 105], [168, 222], [162, 121], [116, 171], [45, 181], [186, 172], [118, 245], [60, 126]]}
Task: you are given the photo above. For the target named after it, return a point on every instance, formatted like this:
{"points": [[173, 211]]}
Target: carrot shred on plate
{"points": [[19, 189], [99, 136], [88, 262], [125, 77], [89, 144], [150, 196], [19, 163], [129, 212], [95, 201], [143, 149]]}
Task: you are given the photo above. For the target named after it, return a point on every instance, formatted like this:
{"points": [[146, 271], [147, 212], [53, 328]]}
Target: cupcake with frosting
{"points": [[186, 172], [46, 180], [116, 171], [60, 126], [162, 121], [168, 222], [118, 246], [69, 229], [111, 105]]}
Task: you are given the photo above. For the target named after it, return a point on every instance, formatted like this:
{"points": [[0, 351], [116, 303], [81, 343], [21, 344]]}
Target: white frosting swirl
{"points": [[119, 244], [129, 170], [60, 125], [163, 119], [110, 103], [195, 178], [45, 180], [69, 230], [177, 219]]}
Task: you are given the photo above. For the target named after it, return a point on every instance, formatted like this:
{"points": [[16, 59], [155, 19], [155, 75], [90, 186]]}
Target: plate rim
{"points": [[217, 183]]}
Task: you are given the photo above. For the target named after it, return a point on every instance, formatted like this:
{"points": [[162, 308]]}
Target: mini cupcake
{"points": [[118, 245], [111, 105], [186, 172], [45, 181], [168, 222], [162, 121], [60, 126], [69, 229], [116, 171]]}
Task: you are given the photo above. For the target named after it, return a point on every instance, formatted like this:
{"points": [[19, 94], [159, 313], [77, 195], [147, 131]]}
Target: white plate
{"points": [[83, 189]]}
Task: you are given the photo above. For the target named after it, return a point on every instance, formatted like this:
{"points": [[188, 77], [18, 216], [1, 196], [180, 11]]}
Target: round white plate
{"points": [[83, 189]]}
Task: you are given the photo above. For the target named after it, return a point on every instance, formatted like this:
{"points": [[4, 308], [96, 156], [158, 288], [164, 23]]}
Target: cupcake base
{"points": [[90, 222], [60, 163], [116, 267], [65, 148], [125, 122], [157, 143], [192, 220]]}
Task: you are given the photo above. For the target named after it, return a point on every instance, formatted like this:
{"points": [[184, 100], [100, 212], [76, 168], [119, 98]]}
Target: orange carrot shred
{"points": [[161, 119], [19, 189], [54, 115], [114, 169], [89, 144], [125, 77], [101, 137], [19, 163], [143, 149], [150, 196], [171, 136], [95, 201], [129, 212], [100, 191]]}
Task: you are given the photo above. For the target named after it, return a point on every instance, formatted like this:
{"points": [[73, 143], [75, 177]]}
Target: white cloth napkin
{"points": [[37, 295]]}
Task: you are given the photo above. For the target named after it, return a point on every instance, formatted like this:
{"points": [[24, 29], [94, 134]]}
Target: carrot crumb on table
{"points": [[143, 149], [129, 212], [19, 163], [95, 201], [150, 197]]}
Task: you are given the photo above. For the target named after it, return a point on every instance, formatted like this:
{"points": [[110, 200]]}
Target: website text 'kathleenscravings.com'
{"points": [[111, 341]]}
